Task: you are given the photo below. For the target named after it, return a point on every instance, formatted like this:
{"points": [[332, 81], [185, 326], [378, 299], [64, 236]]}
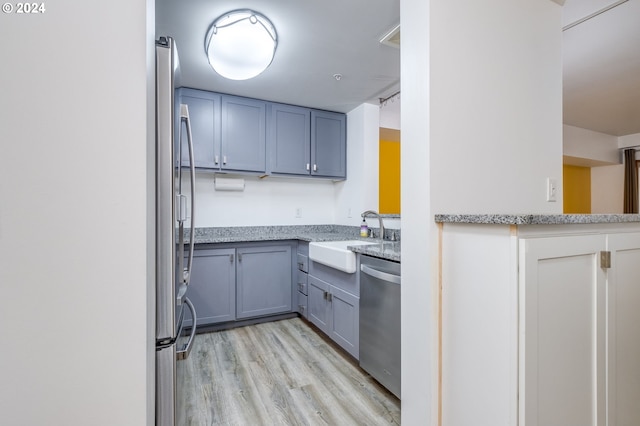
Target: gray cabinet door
{"points": [[344, 324], [264, 285], [204, 112], [212, 287], [328, 144], [289, 139], [318, 306], [243, 136]]}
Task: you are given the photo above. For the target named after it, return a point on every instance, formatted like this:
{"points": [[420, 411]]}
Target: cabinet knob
{"points": [[216, 159], [315, 167], [308, 166]]}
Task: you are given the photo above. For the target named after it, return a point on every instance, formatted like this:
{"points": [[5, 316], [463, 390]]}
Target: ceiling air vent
{"points": [[392, 37]]}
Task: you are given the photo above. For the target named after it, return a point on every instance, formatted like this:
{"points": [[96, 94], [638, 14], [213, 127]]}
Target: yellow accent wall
{"points": [[389, 173], [576, 189]]}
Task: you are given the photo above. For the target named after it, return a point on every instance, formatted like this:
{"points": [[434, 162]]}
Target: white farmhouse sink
{"points": [[336, 254]]}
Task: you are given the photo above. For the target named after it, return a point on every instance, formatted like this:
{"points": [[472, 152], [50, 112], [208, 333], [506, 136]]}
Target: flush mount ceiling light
{"points": [[241, 44]]}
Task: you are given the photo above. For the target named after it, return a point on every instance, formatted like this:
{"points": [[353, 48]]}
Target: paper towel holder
{"points": [[228, 184]]}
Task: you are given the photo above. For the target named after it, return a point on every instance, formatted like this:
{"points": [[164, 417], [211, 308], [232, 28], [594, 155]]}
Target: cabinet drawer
{"points": [[303, 263], [302, 304], [302, 281]]}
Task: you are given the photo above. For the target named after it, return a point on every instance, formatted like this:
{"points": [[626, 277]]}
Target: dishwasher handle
{"points": [[385, 276]]}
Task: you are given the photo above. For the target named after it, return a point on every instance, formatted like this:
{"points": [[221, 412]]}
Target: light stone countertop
{"points": [[536, 219], [389, 250]]}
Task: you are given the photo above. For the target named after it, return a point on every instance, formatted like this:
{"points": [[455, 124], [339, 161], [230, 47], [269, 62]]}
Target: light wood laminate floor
{"points": [[278, 373]]}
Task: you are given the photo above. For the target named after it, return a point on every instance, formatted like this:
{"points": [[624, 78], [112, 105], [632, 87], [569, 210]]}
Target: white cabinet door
{"points": [[562, 331], [623, 322]]}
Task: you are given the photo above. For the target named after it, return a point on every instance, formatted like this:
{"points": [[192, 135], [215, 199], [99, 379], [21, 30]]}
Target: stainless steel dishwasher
{"points": [[380, 321]]}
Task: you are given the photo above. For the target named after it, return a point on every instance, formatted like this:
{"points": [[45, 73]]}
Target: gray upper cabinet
{"points": [[236, 134], [290, 139], [328, 144], [243, 127], [213, 285], [204, 112], [229, 133], [264, 280], [307, 142]]}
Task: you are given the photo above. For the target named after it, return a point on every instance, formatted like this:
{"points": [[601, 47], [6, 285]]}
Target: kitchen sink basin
{"points": [[336, 254]]}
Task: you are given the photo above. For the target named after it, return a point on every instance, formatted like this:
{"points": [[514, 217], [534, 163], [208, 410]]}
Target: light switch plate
{"points": [[552, 190]]}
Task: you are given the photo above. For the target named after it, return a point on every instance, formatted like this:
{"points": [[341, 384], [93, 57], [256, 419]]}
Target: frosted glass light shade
{"points": [[241, 44]]}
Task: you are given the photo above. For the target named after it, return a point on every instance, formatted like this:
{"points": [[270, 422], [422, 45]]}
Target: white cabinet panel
{"points": [[572, 358], [563, 329], [624, 336]]}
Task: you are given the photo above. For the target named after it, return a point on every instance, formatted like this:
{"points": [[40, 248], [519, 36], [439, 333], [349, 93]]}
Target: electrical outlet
{"points": [[298, 212], [552, 190]]}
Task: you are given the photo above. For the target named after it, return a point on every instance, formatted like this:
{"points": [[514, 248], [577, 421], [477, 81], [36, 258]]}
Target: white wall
{"points": [[496, 99], [586, 144], [419, 355], [390, 114], [481, 132], [268, 201], [629, 140], [360, 191], [601, 152], [74, 269], [607, 189], [277, 200]]}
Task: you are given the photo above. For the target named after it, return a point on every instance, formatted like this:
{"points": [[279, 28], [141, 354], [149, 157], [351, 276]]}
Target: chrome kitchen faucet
{"points": [[376, 214]]}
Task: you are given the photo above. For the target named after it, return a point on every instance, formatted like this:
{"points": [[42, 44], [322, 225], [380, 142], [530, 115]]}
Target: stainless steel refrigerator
{"points": [[172, 210]]}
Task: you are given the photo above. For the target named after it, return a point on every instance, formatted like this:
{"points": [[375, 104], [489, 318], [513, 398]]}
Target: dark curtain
{"points": [[630, 182]]}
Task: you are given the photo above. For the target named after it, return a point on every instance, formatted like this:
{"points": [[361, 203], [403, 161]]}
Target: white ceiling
{"points": [[317, 39], [601, 70]]}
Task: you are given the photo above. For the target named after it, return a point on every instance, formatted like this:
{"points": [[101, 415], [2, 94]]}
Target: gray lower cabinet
{"points": [[213, 286], [302, 287], [264, 281], [241, 281], [335, 312], [302, 278]]}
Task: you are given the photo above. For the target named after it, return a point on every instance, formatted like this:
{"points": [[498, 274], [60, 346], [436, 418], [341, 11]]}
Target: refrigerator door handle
{"points": [[184, 116], [186, 350], [182, 294]]}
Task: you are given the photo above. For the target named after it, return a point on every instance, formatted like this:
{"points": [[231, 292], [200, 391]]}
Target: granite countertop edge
{"points": [[536, 219], [307, 233]]}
